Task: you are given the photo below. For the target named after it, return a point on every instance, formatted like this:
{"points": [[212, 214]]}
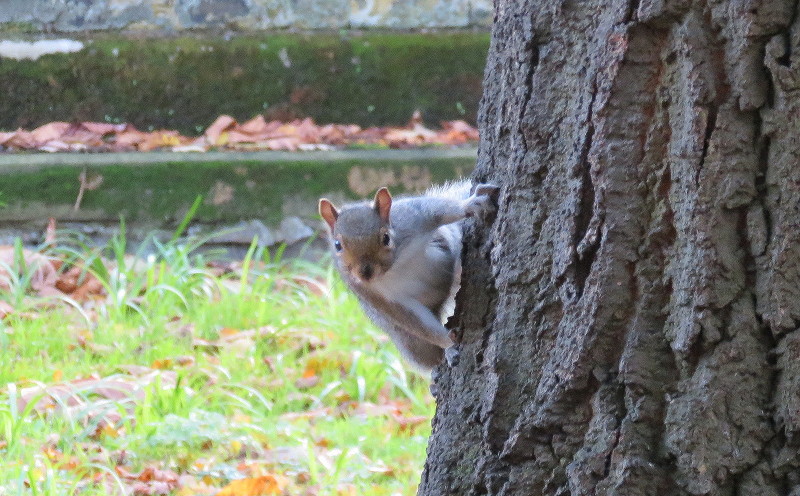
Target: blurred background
{"points": [[169, 320]]}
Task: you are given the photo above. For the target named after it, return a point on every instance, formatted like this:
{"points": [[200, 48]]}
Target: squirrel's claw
{"points": [[487, 189], [483, 201]]}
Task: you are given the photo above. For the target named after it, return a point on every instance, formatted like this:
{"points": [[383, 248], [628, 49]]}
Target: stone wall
{"points": [[178, 15]]}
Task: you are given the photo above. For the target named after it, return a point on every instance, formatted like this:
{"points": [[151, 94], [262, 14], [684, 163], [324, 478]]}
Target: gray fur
{"points": [[417, 276]]}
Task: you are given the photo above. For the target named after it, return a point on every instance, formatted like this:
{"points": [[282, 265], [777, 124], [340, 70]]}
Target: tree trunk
{"points": [[639, 334]]}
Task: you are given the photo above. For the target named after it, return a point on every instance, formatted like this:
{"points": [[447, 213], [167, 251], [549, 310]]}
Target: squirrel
{"points": [[402, 259]]}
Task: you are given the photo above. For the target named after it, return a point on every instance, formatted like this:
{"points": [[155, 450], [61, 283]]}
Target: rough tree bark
{"points": [[639, 334]]}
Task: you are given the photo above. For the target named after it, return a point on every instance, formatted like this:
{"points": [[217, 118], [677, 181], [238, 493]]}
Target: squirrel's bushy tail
{"points": [[456, 190]]}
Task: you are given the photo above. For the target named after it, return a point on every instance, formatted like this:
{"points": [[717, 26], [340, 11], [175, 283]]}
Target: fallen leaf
{"points": [[215, 130], [255, 486], [306, 382], [225, 132], [49, 132], [44, 274], [165, 363], [185, 360]]}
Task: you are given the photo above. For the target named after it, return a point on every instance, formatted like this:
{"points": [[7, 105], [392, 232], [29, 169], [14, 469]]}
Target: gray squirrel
{"points": [[402, 259]]}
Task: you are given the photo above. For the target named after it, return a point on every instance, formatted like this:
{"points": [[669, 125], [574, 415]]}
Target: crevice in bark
{"points": [[761, 184], [585, 256], [531, 58], [786, 59], [622, 413], [711, 123]]}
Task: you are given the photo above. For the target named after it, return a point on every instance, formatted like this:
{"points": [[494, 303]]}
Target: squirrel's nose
{"points": [[366, 272]]}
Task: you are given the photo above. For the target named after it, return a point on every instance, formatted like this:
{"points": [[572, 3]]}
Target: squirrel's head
{"points": [[361, 236]]}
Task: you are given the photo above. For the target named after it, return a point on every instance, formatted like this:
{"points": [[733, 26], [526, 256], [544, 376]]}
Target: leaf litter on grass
{"points": [[264, 386]]}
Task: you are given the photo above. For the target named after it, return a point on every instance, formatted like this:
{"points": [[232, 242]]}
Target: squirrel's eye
{"points": [[386, 239], [338, 245]]}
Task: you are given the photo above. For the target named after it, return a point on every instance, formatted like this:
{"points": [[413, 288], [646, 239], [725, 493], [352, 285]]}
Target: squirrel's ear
{"points": [[328, 212], [383, 204]]}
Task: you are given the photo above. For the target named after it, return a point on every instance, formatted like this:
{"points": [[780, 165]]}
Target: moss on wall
{"points": [[184, 83], [162, 193]]}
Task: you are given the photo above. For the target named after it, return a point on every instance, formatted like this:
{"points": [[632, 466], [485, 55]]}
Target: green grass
{"points": [[263, 367]]}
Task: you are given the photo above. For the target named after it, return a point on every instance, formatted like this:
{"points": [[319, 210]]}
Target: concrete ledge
{"points": [[12, 162]]}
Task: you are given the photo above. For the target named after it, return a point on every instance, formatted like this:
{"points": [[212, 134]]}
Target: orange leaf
{"points": [[107, 429], [256, 486], [227, 332], [162, 364]]}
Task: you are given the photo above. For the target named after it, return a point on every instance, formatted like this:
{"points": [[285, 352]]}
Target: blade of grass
{"points": [[186, 219]]}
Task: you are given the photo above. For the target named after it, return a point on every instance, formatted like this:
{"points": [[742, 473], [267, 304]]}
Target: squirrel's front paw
{"points": [[483, 201]]}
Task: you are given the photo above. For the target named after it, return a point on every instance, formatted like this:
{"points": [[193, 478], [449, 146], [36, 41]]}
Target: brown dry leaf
{"points": [[80, 137], [49, 132], [307, 381], [215, 130], [150, 481], [91, 287], [229, 338], [255, 125], [255, 134], [44, 276], [255, 486], [185, 360], [408, 424], [21, 139], [329, 360], [457, 133], [6, 136], [128, 139], [79, 284], [104, 128]]}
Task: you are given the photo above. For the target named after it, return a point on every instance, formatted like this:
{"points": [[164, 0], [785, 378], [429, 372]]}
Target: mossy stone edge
{"points": [[159, 194], [184, 83]]}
